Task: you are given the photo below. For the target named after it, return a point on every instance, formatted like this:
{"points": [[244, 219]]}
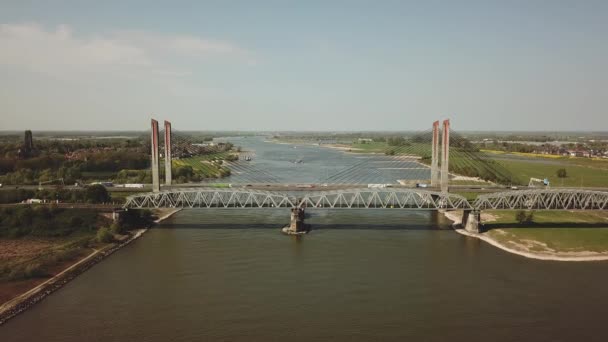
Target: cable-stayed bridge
{"points": [[432, 158]]}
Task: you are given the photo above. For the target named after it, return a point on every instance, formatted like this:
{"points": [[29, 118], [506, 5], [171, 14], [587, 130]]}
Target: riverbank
{"points": [[334, 146], [22, 302], [529, 248], [165, 214]]}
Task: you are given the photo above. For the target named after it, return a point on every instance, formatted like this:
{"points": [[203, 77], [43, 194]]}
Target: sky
{"points": [[304, 65]]}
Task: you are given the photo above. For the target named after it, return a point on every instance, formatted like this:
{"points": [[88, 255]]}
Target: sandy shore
{"points": [[456, 218], [165, 214], [26, 300]]}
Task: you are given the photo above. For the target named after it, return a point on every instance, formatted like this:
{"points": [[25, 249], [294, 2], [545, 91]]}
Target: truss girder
{"points": [[210, 198], [384, 199], [544, 199], [416, 199]]}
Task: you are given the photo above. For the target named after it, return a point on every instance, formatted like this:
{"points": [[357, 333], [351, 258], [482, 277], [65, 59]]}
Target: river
{"points": [[229, 275]]}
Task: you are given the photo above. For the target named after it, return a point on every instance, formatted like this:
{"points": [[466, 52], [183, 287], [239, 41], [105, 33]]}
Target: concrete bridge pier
{"points": [[471, 221], [117, 215], [297, 225]]}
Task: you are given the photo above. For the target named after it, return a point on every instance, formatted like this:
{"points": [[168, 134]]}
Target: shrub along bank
{"points": [[64, 234]]}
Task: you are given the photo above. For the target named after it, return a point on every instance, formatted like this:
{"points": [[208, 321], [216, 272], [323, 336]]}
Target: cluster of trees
{"points": [[510, 147], [44, 221], [53, 166], [121, 160], [186, 173], [597, 147], [134, 176], [129, 220], [115, 160], [232, 157], [10, 145], [32, 176], [190, 149], [397, 141], [533, 137], [68, 159], [463, 145], [522, 217]]}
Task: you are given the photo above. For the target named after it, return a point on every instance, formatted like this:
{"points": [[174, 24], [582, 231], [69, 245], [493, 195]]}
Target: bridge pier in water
{"points": [[471, 221], [297, 225]]}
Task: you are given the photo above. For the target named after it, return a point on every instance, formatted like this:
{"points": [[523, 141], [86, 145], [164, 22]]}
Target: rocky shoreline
{"points": [[26, 300]]}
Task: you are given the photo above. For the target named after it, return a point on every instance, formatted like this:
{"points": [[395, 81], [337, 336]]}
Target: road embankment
{"points": [[524, 248], [26, 300]]}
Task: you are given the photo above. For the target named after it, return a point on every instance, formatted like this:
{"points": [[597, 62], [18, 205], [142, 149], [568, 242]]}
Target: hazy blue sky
{"points": [[313, 65]]}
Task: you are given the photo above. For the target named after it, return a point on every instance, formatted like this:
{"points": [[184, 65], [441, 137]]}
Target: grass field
{"points": [[470, 196], [578, 176], [552, 231], [371, 147], [418, 149], [601, 163], [28, 262], [203, 165]]}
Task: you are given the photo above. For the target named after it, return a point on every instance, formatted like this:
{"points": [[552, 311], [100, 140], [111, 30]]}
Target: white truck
{"points": [[537, 181], [379, 186]]}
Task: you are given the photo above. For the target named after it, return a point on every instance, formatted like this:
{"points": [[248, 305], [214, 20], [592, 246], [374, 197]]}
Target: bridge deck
{"points": [[372, 198]]}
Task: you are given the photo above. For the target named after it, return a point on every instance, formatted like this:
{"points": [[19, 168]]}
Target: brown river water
{"points": [[360, 275]]}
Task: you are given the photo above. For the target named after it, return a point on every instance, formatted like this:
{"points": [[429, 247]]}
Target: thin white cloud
{"points": [[60, 50], [185, 45]]}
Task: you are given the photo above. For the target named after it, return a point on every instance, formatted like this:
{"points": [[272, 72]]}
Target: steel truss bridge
{"points": [[395, 198], [545, 199], [399, 198]]}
